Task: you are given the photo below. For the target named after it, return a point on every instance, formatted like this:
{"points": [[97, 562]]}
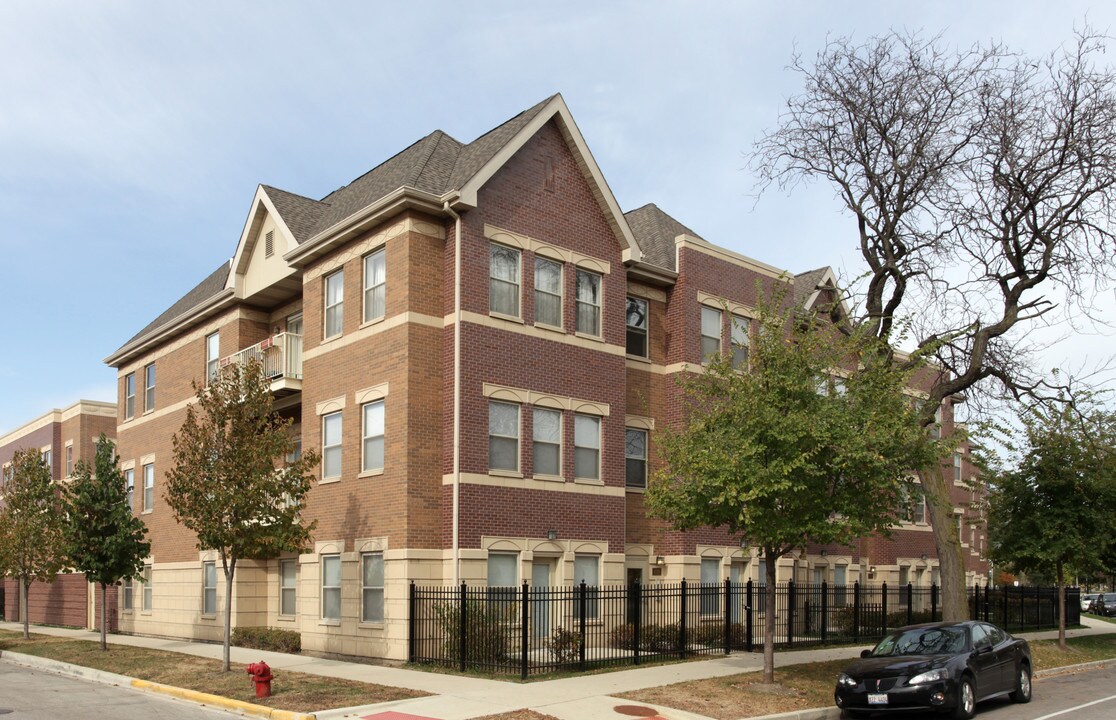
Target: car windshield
{"points": [[922, 641]]}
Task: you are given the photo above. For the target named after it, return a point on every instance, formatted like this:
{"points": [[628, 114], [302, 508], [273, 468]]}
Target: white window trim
{"points": [[323, 587], [517, 472], [518, 316], [365, 319], [600, 306], [366, 471], [561, 293], [148, 508], [561, 433], [149, 390], [130, 378], [294, 588], [212, 364], [205, 588], [340, 446], [326, 307], [646, 463], [705, 360], [364, 588], [646, 330], [599, 449]]}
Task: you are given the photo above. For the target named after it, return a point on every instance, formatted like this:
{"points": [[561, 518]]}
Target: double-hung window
{"points": [[149, 388], [331, 445], [956, 467], [148, 593], [128, 594], [130, 488], [148, 487], [635, 458], [373, 437], [288, 596], [503, 570], [547, 447], [331, 587], [129, 396], [587, 447], [739, 341], [334, 304], [375, 284], [588, 303], [209, 588], [587, 569], [503, 280], [372, 587], [710, 333], [212, 355], [503, 436], [710, 586], [637, 327], [548, 292]]}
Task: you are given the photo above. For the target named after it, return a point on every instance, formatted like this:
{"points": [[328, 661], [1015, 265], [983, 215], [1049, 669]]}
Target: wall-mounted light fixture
{"points": [[824, 552], [871, 568], [924, 557], [551, 534], [660, 560]]}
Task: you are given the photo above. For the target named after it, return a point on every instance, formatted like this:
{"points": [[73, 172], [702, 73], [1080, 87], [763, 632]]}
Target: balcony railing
{"points": [[281, 358]]}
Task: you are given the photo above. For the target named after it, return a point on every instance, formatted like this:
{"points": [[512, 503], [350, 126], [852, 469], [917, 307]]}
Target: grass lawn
{"points": [[300, 692], [811, 685]]}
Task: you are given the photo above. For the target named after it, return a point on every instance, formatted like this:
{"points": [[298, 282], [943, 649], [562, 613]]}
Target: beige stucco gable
{"points": [[258, 265]]}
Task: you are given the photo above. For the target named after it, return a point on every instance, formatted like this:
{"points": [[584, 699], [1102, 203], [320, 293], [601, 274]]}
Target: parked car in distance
{"points": [[1105, 605], [945, 666], [1087, 601]]}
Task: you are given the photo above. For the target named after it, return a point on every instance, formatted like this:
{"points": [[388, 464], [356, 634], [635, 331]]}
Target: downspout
{"points": [[456, 391]]}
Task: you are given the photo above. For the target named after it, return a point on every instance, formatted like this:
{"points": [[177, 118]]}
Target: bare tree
{"points": [[980, 184]]}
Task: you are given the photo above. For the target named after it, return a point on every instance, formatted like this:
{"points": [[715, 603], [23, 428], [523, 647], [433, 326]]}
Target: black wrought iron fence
{"points": [[535, 630]]}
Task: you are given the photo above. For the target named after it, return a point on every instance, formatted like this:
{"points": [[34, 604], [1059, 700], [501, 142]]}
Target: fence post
{"points": [[728, 616], [824, 610], [748, 618], [411, 623], [1004, 624], [583, 595], [634, 592], [523, 634], [1022, 608], [910, 604], [682, 621], [883, 589], [462, 619], [933, 603], [987, 590], [856, 612], [790, 613]]}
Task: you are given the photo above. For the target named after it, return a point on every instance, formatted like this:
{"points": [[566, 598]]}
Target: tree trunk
{"points": [[230, 571], [24, 588], [1061, 607], [104, 629], [947, 542], [769, 559]]}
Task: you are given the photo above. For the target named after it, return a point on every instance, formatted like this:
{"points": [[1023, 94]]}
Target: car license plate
{"points": [[877, 698]]}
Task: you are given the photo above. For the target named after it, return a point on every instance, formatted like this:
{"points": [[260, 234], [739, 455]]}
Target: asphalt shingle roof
{"points": [[654, 232], [806, 283], [436, 164]]}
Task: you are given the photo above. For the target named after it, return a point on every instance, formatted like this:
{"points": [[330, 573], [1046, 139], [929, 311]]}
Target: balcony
{"points": [[281, 358]]}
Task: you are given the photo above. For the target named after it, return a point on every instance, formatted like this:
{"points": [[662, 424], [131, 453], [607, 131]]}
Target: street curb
{"points": [[107, 678], [1070, 668]]}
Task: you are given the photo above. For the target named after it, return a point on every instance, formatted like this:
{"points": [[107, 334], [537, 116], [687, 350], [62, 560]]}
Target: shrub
{"points": [[660, 638], [487, 632], [622, 637], [565, 645], [266, 638]]}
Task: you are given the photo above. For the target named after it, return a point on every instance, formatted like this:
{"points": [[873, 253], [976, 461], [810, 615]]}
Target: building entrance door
{"points": [[541, 573]]}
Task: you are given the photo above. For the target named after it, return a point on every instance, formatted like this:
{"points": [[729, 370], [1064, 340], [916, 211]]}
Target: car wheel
{"points": [[1022, 693], [966, 700]]}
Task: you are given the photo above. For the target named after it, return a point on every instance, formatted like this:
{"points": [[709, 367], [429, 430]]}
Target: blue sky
{"points": [[133, 134]]}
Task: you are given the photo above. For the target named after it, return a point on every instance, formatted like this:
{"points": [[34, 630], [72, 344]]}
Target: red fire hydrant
{"points": [[261, 675]]}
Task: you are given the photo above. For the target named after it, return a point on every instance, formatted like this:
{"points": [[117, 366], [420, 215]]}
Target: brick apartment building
{"points": [[64, 437], [480, 344]]}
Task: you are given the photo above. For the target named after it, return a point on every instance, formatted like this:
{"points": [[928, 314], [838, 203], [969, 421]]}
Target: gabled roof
{"points": [[655, 232], [806, 286], [438, 168]]}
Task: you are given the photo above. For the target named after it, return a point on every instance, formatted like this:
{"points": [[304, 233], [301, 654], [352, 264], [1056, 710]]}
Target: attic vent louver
{"points": [[269, 243]]}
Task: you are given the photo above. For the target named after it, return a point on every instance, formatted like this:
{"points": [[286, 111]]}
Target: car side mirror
{"points": [[865, 653], [982, 650]]}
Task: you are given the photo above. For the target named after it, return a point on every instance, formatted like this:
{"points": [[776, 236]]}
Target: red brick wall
{"points": [[62, 602]]}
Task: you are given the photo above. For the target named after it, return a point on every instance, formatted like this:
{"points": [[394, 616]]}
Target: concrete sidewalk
{"points": [[454, 697]]}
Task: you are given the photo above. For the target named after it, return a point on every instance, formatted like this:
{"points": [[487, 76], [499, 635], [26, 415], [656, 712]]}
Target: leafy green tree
{"points": [[231, 483], [104, 539], [1056, 509], [31, 518], [794, 450]]}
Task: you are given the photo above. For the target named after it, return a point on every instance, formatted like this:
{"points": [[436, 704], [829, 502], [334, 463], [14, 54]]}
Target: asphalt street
{"points": [[31, 694], [1082, 695]]}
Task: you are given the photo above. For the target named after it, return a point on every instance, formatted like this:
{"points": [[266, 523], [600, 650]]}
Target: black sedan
{"points": [[942, 666]]}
